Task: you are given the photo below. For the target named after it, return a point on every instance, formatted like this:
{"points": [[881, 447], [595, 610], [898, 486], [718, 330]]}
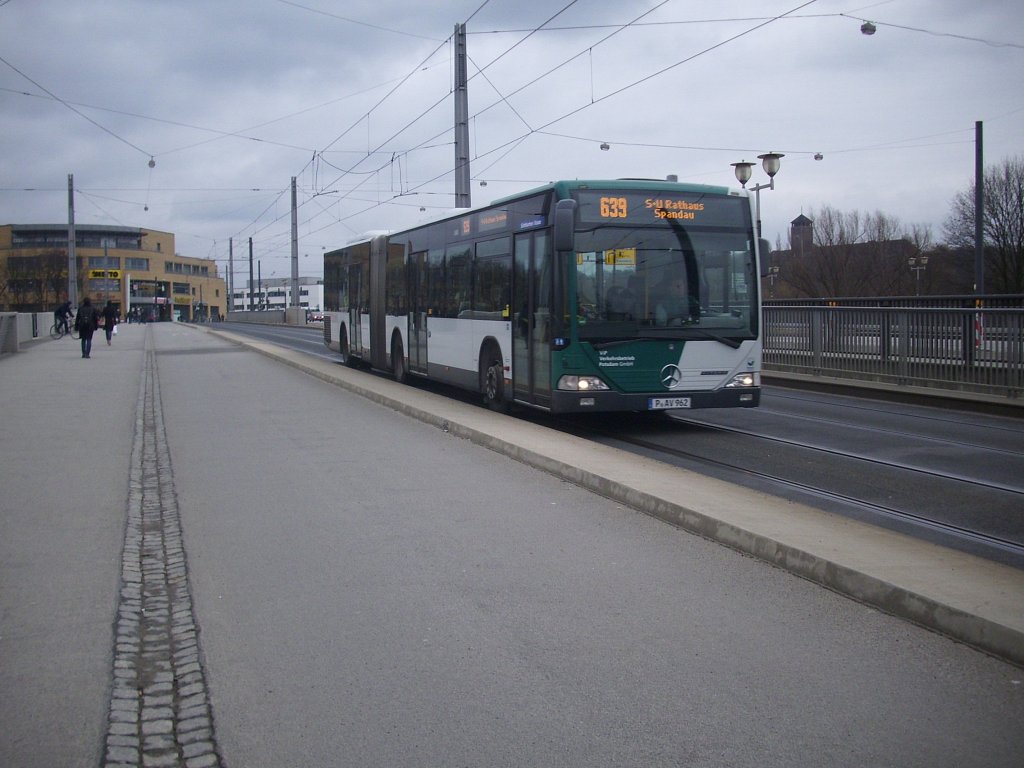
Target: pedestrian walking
{"points": [[86, 322], [110, 318]]}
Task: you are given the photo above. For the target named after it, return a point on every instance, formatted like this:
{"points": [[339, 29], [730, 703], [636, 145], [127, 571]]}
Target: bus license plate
{"points": [[661, 403]]}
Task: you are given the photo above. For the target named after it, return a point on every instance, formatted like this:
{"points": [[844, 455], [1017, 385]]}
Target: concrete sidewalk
{"points": [[66, 428], [965, 597], [66, 437]]}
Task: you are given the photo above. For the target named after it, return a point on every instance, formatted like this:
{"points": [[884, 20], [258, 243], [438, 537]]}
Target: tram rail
{"points": [[664, 443]]}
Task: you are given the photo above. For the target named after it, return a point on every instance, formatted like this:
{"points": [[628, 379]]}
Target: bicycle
{"points": [[61, 328]]}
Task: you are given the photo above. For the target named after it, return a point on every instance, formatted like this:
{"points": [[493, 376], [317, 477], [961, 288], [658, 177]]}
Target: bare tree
{"points": [[53, 278], [888, 250], [854, 254], [36, 283], [1002, 225], [810, 271], [950, 270], [20, 283], [5, 290]]}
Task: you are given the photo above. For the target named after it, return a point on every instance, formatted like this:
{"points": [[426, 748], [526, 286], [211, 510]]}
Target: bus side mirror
{"points": [[565, 223], [765, 249]]}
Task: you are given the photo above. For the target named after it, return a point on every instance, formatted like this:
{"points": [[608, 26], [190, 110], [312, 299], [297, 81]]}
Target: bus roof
{"points": [[565, 187]]}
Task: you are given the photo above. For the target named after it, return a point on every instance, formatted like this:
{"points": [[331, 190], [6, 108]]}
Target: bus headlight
{"points": [[581, 383], [745, 380]]}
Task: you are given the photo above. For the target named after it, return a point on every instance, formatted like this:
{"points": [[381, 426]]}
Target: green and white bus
{"points": [[578, 296]]}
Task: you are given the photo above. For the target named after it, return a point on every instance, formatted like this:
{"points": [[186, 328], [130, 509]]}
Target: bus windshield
{"points": [[664, 282]]}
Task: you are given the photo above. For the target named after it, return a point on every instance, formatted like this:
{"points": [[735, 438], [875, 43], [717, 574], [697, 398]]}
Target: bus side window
{"points": [[435, 285]]}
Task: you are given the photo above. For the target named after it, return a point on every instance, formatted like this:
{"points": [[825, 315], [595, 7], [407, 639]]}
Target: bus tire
{"points": [[398, 370], [492, 380], [345, 352], [343, 345]]}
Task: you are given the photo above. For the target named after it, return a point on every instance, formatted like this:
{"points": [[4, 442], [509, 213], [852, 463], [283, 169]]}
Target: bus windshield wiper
{"points": [[620, 342], [729, 342]]}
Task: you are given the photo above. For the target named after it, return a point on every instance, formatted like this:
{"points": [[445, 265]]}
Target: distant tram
{"points": [[579, 296]]}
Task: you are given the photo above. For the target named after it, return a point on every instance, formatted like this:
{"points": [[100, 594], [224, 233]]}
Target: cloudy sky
{"points": [[232, 98]]}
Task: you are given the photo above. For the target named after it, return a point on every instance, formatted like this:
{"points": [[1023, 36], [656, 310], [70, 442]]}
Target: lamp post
{"points": [[773, 274], [917, 265], [770, 163]]}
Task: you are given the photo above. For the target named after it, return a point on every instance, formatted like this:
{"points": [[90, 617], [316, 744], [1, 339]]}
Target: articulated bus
{"points": [[579, 296]]}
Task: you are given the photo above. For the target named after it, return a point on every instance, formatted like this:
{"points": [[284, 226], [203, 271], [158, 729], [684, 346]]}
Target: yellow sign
{"points": [[621, 257], [100, 274]]}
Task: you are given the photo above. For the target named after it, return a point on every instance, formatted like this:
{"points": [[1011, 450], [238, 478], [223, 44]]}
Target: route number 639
{"points": [[614, 208]]}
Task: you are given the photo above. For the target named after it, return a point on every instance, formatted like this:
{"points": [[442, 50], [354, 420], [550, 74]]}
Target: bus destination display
{"points": [[650, 208]]}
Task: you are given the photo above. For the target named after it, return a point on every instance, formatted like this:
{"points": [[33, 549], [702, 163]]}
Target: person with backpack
{"points": [[86, 322]]}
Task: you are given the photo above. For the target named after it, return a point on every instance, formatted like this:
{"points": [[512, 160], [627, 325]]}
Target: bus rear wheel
{"points": [[345, 352], [493, 383], [398, 370]]}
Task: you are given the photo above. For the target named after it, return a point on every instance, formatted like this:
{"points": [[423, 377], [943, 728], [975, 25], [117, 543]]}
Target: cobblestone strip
{"points": [[160, 713]]}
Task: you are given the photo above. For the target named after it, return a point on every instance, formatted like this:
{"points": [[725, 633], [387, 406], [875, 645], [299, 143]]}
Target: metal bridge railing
{"points": [[966, 350]]}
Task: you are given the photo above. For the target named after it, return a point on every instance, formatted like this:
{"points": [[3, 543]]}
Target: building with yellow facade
{"points": [[136, 269]]}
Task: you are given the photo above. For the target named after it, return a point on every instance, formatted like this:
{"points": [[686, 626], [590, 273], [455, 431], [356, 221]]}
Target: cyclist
{"points": [[61, 315]]}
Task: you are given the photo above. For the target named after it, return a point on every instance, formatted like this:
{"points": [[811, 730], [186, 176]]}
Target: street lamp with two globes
{"points": [[770, 162]]}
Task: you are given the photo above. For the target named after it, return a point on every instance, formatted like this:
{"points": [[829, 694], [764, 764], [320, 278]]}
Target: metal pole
{"points": [[295, 248], [462, 191], [72, 261], [757, 198], [251, 285], [979, 241], [979, 211], [231, 275]]}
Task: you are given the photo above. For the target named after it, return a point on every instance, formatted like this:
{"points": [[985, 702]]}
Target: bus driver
{"points": [[675, 305]]}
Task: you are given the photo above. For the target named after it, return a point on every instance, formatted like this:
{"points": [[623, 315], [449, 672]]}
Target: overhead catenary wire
{"points": [[78, 112], [508, 147], [528, 34], [494, 154], [427, 111], [519, 140]]}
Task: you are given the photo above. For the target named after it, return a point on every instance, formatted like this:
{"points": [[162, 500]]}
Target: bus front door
{"points": [[418, 312], [531, 333], [356, 302]]}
